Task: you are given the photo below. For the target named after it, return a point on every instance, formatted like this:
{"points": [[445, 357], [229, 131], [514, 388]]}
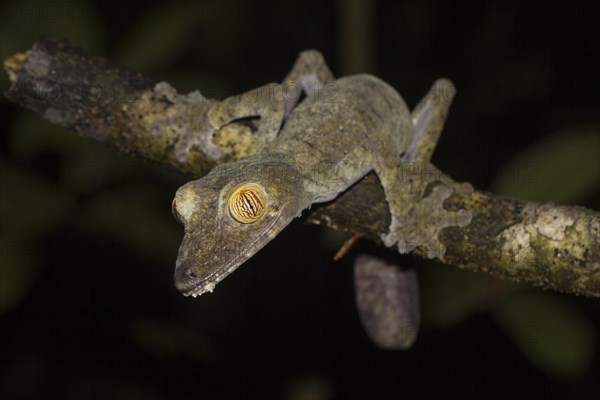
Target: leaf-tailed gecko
{"points": [[349, 126]]}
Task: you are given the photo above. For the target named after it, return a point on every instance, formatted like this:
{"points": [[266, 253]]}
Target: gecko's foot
{"points": [[423, 223], [185, 116]]}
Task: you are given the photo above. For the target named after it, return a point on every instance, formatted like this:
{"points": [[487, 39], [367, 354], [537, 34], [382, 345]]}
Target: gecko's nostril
{"points": [[192, 274]]}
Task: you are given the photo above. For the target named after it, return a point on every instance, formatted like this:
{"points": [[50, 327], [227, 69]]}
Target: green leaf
{"points": [[29, 204], [17, 270], [32, 135], [449, 295], [563, 168], [136, 216], [550, 331], [165, 340], [159, 37], [23, 22]]}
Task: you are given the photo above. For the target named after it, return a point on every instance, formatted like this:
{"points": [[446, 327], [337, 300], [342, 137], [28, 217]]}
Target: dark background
{"points": [[88, 245]]}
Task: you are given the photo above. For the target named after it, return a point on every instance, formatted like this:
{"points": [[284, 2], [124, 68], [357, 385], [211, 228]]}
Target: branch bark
{"points": [[552, 246]]}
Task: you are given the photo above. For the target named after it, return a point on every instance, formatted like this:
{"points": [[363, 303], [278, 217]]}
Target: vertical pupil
{"points": [[246, 204], [249, 201]]}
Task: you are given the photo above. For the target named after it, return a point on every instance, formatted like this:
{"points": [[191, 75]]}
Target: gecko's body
{"points": [[330, 163], [308, 154]]}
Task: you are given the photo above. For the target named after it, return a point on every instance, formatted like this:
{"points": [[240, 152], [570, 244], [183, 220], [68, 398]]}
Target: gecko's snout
{"points": [[185, 278]]}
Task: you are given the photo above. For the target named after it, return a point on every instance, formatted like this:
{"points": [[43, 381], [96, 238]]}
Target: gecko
{"points": [[309, 123]]}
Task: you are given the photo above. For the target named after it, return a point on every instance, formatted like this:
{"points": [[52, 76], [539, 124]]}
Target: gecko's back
{"points": [[336, 133]]}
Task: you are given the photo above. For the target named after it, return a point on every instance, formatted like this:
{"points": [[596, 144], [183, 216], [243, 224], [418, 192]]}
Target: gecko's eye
{"points": [[247, 203]]}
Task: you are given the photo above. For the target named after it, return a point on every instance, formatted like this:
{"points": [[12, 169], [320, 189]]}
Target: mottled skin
{"points": [[309, 153]]}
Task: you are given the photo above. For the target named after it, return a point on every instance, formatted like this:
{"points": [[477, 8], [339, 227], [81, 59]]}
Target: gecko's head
{"points": [[229, 215]]}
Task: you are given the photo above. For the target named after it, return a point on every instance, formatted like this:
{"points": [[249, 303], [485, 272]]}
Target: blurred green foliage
{"points": [[17, 270], [52, 179], [148, 44], [563, 167], [28, 208], [24, 22], [551, 332]]}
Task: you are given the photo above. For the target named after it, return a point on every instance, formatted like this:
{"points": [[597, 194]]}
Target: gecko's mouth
{"points": [[207, 283]]}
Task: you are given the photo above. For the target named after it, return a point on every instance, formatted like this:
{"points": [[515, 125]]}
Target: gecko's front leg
{"points": [[274, 102], [309, 74], [415, 190], [266, 102]]}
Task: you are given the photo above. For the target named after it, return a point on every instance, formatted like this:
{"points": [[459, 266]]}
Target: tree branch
{"points": [[547, 245]]}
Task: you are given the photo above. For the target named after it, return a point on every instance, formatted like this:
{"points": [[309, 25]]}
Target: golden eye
{"points": [[247, 203]]}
